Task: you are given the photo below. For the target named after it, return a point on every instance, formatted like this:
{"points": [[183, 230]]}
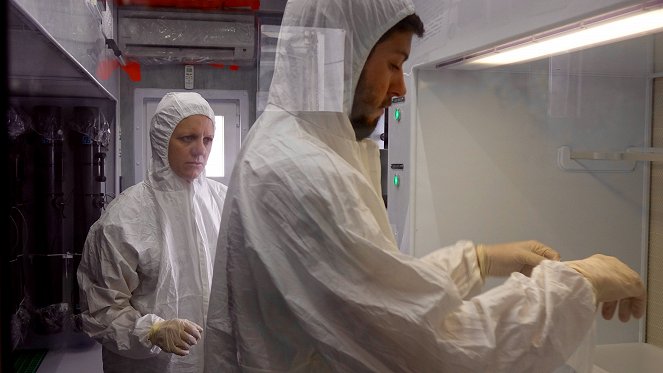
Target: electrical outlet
{"points": [[188, 77]]}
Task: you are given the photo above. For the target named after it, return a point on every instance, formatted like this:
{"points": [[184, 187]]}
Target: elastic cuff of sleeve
{"points": [[474, 279], [563, 267], [481, 259], [143, 328]]}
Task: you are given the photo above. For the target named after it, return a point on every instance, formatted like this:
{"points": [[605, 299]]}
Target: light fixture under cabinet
{"points": [[623, 24]]}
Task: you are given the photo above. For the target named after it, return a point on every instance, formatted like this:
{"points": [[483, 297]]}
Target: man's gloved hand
{"points": [[614, 284], [504, 259], [176, 335]]}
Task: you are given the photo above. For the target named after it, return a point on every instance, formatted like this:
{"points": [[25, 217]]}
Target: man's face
{"points": [[380, 80]]}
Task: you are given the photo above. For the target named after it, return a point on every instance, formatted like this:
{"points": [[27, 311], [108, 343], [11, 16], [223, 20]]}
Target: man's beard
{"points": [[363, 126]]}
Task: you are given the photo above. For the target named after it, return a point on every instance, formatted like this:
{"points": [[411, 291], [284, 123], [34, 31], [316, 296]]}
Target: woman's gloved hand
{"points": [[614, 284], [175, 336], [504, 259]]}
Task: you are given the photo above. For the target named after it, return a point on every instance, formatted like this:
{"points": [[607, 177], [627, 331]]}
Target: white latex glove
{"points": [[614, 284], [175, 336], [504, 259]]}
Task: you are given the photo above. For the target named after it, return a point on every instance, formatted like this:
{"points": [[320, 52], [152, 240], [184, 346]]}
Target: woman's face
{"points": [[190, 145]]}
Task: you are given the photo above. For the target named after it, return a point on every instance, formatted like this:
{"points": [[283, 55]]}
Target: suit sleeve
{"points": [[107, 276], [385, 311]]}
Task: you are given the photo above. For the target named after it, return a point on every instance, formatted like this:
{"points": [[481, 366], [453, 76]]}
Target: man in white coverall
{"points": [[308, 277], [147, 263]]}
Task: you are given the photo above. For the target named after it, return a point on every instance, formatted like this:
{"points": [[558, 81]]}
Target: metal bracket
{"points": [[595, 161]]}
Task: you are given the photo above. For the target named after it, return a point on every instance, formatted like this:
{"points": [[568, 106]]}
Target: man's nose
{"points": [[398, 88]]}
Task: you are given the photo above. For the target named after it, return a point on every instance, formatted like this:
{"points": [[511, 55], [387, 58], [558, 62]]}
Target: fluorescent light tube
{"points": [[579, 38]]}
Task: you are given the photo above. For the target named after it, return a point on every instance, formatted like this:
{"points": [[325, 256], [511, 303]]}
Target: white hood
{"points": [[172, 108], [322, 48]]}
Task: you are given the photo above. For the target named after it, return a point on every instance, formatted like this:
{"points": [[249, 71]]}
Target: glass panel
{"points": [[215, 162]]}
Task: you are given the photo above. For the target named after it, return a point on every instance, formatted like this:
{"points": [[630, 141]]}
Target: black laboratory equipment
{"points": [[21, 219], [89, 132], [49, 258], [57, 185]]}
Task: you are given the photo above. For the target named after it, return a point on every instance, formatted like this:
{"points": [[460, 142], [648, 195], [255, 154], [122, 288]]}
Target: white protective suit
{"points": [[149, 256], [308, 276]]}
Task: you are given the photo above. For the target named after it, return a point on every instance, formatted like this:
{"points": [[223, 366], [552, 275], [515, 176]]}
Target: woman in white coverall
{"points": [[147, 263], [308, 277]]}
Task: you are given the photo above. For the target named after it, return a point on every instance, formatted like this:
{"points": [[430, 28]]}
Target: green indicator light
{"points": [[397, 180], [397, 115]]}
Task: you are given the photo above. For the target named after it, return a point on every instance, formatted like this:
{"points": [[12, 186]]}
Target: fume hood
{"points": [[39, 64], [564, 149]]}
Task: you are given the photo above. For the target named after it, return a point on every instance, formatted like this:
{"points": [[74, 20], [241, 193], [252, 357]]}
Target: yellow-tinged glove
{"points": [[504, 259], [175, 336], [615, 284]]}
